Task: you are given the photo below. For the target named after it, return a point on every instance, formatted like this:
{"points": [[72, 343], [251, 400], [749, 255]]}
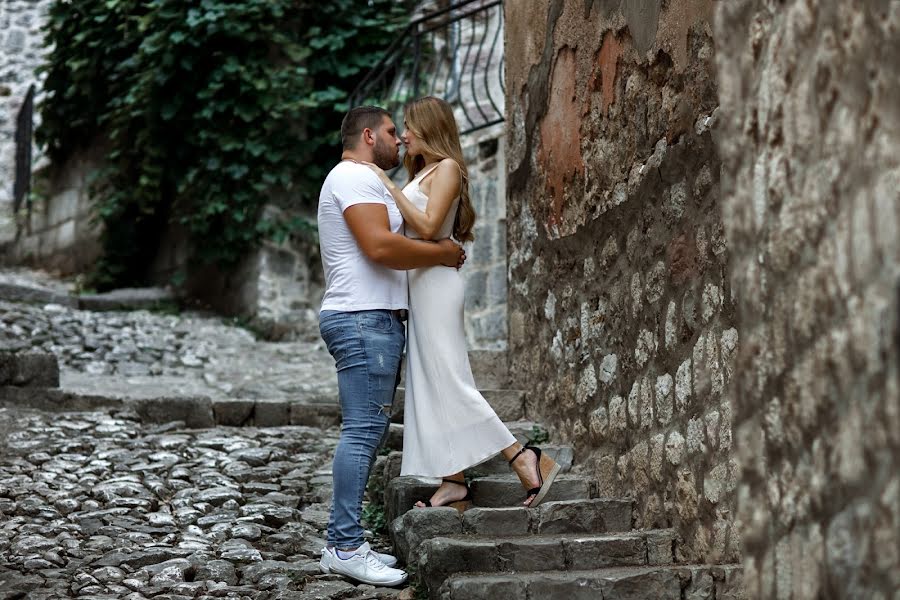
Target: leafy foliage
{"points": [[206, 111]]}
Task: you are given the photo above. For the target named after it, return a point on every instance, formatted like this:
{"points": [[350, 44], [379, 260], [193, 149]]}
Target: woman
{"points": [[448, 425]]}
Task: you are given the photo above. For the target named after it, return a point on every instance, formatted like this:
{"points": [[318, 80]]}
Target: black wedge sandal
{"points": [[460, 505], [548, 469]]}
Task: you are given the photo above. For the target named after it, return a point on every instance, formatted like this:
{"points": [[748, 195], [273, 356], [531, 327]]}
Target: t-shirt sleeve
{"points": [[362, 188]]}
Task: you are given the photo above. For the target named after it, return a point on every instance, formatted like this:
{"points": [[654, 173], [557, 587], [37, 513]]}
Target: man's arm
{"points": [[371, 228]]}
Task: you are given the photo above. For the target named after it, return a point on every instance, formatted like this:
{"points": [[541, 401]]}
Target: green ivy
{"points": [[205, 112]]}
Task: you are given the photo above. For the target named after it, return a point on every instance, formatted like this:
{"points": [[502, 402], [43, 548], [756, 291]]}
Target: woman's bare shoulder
{"points": [[448, 164]]}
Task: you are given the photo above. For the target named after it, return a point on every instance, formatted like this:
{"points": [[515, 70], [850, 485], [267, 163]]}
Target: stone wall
{"points": [[21, 52], [621, 318], [57, 233], [277, 287], [485, 269], [811, 202]]}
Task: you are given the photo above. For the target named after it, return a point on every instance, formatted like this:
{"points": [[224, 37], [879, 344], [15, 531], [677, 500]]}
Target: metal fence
{"points": [[455, 53], [23, 138]]}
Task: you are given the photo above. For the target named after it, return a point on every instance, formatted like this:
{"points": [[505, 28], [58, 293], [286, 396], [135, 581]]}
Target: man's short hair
{"points": [[359, 118]]}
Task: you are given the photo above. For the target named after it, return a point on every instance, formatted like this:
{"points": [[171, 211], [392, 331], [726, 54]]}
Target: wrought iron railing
{"points": [[23, 138], [455, 53]]}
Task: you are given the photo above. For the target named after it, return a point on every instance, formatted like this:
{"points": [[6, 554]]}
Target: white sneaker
{"points": [[328, 556], [363, 566]]}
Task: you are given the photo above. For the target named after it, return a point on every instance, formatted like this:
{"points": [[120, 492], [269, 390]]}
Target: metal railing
{"points": [[455, 53], [23, 138]]}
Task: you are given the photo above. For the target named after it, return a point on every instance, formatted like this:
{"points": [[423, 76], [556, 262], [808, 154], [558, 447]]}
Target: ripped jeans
{"points": [[367, 348]]}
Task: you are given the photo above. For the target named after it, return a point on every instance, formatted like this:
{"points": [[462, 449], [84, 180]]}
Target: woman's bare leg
{"points": [[525, 466], [448, 492]]}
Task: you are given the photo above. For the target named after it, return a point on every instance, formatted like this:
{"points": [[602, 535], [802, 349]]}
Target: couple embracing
{"points": [[388, 253]]}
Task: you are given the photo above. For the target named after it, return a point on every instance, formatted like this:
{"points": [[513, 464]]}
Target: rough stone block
{"points": [[392, 464], [196, 412], [482, 588], [570, 587], [498, 491], [232, 412], [530, 553], [619, 583], [271, 413], [497, 521], [315, 415], [583, 516], [657, 584], [416, 526], [441, 557], [660, 547], [29, 370], [730, 586], [54, 399], [395, 437], [592, 552], [403, 492]]}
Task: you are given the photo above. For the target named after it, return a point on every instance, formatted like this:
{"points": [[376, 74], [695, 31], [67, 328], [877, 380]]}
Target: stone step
{"points": [[599, 515], [128, 299], [29, 294], [441, 557], [506, 490], [490, 368], [722, 582], [496, 491], [508, 404], [29, 369]]}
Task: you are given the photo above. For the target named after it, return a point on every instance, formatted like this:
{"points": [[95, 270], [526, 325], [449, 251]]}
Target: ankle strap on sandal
{"points": [[462, 483], [527, 446]]}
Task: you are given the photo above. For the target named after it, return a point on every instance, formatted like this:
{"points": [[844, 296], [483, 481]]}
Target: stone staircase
{"points": [[574, 545]]}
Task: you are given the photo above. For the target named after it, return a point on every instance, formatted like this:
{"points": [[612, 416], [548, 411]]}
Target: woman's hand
{"points": [[378, 171]]}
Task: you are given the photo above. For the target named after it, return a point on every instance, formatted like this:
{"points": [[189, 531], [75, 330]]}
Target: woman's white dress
{"points": [[448, 425]]}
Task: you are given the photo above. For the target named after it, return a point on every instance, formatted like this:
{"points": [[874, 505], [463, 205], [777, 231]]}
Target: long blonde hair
{"points": [[431, 120]]}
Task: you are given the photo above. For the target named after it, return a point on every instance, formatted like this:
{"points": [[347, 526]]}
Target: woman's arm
{"points": [[444, 190]]}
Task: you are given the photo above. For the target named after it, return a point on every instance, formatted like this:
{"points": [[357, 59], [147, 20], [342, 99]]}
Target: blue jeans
{"points": [[367, 347]]}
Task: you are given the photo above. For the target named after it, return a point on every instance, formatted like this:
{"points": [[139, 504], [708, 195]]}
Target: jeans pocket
{"points": [[376, 321]]}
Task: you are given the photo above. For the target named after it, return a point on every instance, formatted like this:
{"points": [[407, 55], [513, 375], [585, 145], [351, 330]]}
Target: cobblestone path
{"points": [[101, 505]]}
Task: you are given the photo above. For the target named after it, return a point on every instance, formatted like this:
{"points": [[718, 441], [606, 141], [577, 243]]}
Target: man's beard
{"points": [[385, 156]]}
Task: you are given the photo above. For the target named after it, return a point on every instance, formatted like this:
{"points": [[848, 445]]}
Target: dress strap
{"points": [[424, 173]]}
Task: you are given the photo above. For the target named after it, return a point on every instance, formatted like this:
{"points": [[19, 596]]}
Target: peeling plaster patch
{"points": [[643, 20], [608, 58], [676, 22], [560, 144]]}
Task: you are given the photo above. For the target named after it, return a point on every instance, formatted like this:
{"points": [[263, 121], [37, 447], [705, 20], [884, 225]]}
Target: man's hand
{"points": [[455, 255], [388, 183]]}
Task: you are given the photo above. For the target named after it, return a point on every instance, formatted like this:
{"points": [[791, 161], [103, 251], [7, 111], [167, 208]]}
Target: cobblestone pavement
{"points": [[144, 354], [100, 505]]}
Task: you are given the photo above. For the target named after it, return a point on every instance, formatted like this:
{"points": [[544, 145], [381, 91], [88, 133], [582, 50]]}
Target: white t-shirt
{"points": [[352, 281]]}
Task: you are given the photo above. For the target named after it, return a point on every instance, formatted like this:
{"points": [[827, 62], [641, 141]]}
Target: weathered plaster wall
{"points": [[810, 140], [621, 318], [21, 52]]}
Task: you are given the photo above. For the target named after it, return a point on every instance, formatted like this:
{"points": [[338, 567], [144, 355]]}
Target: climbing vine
{"points": [[205, 111]]}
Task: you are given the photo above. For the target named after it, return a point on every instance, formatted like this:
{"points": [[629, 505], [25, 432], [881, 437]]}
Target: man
{"points": [[365, 255]]}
